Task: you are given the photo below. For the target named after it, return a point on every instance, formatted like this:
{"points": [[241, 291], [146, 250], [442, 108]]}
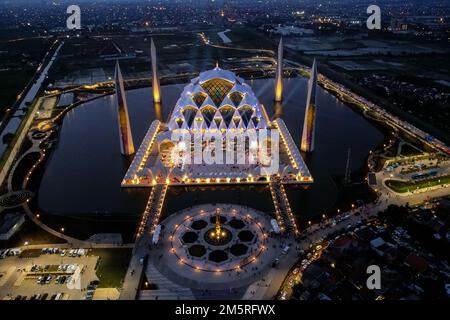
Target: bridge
{"points": [[283, 210]]}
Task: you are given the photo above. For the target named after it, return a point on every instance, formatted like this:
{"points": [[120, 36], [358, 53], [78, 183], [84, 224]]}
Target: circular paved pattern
{"points": [[193, 234], [15, 198], [38, 135], [185, 257]]}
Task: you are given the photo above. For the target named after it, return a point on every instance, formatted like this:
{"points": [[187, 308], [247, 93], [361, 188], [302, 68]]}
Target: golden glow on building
{"points": [[155, 76], [308, 135], [279, 90]]}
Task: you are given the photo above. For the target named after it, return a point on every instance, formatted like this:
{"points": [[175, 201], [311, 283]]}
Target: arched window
{"points": [[189, 113], [199, 98], [246, 112], [236, 97], [227, 112], [208, 113]]}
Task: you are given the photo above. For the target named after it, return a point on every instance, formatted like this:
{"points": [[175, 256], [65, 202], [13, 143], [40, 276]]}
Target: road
{"points": [[385, 116], [130, 288], [9, 123], [317, 232]]}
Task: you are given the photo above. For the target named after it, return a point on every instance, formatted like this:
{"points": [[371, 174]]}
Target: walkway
{"points": [[267, 287], [207, 42], [224, 37], [33, 149], [283, 210], [152, 212], [150, 219]]}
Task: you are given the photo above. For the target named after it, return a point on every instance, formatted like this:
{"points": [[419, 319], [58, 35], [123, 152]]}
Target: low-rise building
{"points": [[10, 224]]}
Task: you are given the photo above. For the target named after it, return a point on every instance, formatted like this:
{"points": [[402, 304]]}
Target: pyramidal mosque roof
{"points": [[217, 98]]}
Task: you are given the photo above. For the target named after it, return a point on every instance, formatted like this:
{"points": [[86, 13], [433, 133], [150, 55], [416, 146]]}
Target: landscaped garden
{"points": [[409, 186]]}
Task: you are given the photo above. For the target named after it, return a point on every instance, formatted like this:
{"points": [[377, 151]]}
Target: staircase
{"points": [[167, 290]]}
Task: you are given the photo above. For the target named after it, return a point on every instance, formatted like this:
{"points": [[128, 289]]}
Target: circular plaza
{"points": [[14, 199], [226, 245]]}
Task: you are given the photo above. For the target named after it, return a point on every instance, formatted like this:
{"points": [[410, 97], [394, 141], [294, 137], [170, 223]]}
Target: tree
{"points": [[394, 214]]}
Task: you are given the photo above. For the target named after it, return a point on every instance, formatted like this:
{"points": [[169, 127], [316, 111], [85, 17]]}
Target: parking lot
{"points": [[52, 274]]}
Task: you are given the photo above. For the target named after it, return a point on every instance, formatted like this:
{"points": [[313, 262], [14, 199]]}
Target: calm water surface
{"points": [[83, 174]]}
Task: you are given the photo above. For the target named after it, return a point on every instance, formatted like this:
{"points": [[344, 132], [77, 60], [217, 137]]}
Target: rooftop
{"points": [[217, 100], [9, 221]]}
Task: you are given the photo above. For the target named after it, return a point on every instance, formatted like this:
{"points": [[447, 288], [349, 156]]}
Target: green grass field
{"points": [[403, 186], [112, 266]]}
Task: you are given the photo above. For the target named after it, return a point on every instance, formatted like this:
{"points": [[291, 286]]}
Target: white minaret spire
{"points": [[155, 75], [309, 125], [279, 74], [126, 139]]}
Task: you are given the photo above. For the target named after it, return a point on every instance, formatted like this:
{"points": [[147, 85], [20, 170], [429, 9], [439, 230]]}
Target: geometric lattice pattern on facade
{"points": [[217, 89]]}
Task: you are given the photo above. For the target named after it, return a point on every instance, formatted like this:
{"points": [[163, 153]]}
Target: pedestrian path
{"points": [[283, 210], [167, 290]]}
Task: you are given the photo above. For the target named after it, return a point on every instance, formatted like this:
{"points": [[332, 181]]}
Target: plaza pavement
{"points": [[133, 277], [169, 265]]}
